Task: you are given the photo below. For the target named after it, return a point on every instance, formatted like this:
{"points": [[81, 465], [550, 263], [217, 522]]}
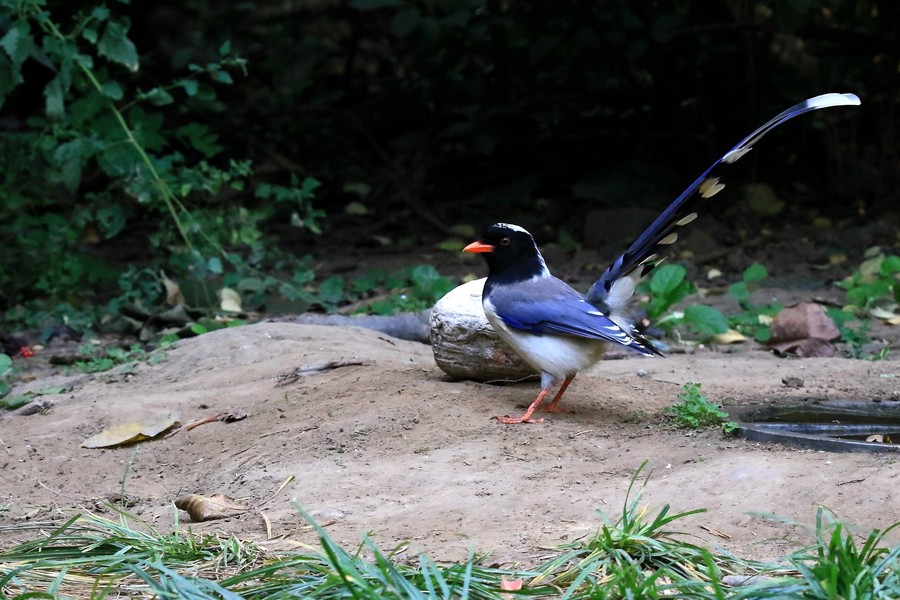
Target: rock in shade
{"points": [[464, 343]]}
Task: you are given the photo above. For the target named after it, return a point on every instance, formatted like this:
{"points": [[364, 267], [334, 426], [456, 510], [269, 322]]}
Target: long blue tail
{"points": [[614, 288]]}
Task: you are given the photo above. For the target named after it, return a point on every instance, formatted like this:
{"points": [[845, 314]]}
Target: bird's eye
{"points": [[504, 241]]}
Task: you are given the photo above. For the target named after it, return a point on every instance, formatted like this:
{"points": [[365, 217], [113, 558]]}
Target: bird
{"points": [[558, 330]]}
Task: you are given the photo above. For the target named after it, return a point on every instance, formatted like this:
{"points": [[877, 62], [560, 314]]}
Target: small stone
{"points": [[465, 344], [792, 382]]}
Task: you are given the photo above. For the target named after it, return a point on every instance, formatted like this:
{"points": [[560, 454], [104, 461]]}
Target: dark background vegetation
{"points": [[424, 116]]}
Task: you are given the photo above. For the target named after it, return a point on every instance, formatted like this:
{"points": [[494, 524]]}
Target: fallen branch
{"points": [[310, 370]]}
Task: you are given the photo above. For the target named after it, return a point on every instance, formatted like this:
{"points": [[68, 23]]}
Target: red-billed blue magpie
{"points": [[560, 331]]}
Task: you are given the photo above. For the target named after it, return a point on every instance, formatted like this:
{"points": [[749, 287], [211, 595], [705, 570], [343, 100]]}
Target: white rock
{"points": [[464, 343]]}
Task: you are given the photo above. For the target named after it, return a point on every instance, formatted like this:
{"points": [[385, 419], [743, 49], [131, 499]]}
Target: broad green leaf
{"points": [[5, 363], [665, 279], [755, 272], [223, 76], [159, 97], [251, 284], [111, 219], [17, 43], [101, 13], [214, 264], [739, 291], [112, 90], [55, 102], [890, 265], [69, 157], [115, 45], [90, 34], [201, 138], [705, 320], [190, 86], [331, 291]]}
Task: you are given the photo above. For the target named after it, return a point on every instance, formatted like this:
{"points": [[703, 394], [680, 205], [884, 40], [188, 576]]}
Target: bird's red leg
{"points": [[554, 406], [526, 418]]}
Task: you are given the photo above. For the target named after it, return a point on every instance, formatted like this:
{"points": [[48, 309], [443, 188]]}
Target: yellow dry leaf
{"points": [[889, 317], [206, 508], [229, 300], [129, 433], [729, 337], [174, 297]]}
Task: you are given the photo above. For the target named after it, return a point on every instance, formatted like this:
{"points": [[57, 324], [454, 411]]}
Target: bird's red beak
{"points": [[478, 247]]}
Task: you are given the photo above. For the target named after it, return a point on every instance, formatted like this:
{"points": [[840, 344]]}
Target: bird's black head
{"points": [[510, 253]]}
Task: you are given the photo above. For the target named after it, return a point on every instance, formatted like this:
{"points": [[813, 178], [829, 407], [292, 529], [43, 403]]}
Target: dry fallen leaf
{"points": [[887, 316], [729, 337], [879, 438], [229, 300], [174, 296], [129, 433], [803, 330], [206, 508]]}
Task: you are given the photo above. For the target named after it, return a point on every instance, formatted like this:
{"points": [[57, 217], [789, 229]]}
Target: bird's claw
{"points": [[507, 420]]}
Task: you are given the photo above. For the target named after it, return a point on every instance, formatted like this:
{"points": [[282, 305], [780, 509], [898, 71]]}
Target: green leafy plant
{"points": [[872, 290], [838, 567], [382, 293], [96, 359], [6, 367], [694, 410], [114, 147], [668, 286], [638, 555], [753, 320], [873, 284]]}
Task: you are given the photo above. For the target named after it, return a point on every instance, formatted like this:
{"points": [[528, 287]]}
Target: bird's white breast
{"points": [[560, 356]]}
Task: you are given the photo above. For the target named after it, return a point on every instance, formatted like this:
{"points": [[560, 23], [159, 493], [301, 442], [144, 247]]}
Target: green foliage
{"points": [[96, 359], [115, 147], [6, 366], [837, 567], [873, 284], [871, 290], [695, 410], [637, 555], [668, 286], [379, 292], [753, 320], [740, 290], [637, 548]]}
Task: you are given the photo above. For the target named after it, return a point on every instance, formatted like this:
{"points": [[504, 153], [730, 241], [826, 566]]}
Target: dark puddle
{"points": [[836, 426]]}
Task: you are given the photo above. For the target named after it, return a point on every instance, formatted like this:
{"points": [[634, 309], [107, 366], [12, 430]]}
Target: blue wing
{"points": [[566, 314]]}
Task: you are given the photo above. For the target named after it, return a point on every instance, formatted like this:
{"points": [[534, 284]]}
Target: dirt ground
{"points": [[394, 447]]}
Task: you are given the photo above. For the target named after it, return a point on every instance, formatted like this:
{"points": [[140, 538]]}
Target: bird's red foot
{"points": [[556, 409], [507, 420]]}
